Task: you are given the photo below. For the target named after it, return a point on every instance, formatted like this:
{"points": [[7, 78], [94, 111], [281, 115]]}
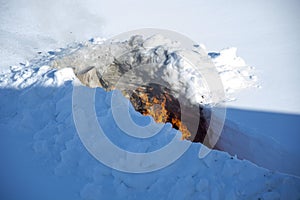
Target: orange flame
{"points": [[155, 106]]}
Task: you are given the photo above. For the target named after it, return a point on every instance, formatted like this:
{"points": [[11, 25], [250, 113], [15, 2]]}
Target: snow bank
{"points": [[43, 157], [186, 71]]}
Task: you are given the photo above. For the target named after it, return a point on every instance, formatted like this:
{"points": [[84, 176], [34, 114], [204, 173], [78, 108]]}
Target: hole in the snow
{"points": [[158, 102], [132, 66]]}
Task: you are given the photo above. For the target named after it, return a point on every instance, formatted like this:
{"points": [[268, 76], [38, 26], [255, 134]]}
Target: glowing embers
{"points": [[158, 102]]}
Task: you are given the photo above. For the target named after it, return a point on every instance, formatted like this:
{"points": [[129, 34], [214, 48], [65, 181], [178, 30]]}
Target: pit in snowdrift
{"points": [[154, 74], [158, 102], [161, 76]]}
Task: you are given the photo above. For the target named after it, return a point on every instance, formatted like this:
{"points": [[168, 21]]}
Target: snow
{"points": [[266, 34], [268, 139], [235, 74], [40, 159], [56, 165], [175, 64], [187, 75]]}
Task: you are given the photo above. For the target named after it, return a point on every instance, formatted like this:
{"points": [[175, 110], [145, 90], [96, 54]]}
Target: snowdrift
{"points": [[44, 158]]}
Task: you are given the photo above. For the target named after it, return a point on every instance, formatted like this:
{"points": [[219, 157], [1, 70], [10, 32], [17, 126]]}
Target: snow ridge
{"points": [[36, 124]]}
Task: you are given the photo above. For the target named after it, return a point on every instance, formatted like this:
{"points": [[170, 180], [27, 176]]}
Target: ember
{"points": [[158, 102]]}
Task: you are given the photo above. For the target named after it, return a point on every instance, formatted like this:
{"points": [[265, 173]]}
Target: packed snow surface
{"points": [[43, 157]]}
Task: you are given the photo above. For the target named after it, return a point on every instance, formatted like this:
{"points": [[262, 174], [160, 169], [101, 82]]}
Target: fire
{"points": [[154, 101], [185, 132]]}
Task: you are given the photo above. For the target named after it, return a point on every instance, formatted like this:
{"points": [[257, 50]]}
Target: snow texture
{"points": [[184, 71], [43, 157]]}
